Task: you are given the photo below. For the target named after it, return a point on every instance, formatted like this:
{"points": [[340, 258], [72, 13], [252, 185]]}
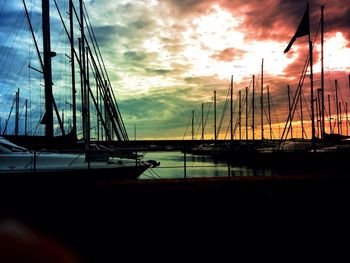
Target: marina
{"points": [[94, 101]]}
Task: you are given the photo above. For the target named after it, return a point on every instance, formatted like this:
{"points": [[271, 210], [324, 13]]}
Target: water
{"points": [[172, 166]]}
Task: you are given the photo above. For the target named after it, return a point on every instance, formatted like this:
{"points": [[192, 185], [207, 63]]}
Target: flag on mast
{"points": [[303, 29]]}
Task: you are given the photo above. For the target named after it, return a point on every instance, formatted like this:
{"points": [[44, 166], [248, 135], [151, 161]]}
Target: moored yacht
{"points": [[17, 162]]}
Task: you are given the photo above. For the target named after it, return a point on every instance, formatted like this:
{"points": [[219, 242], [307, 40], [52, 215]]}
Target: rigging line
{"points": [[112, 103], [84, 74], [8, 118], [198, 124], [188, 124], [15, 27], [223, 112], [291, 111], [301, 82], [95, 40], [276, 115], [9, 67], [108, 103], [269, 121], [104, 67], [236, 123], [19, 116], [12, 47], [206, 119], [33, 35], [110, 90], [237, 120], [222, 117]]}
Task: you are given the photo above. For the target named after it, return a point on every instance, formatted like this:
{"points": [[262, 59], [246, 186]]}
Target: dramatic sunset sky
{"points": [[165, 58]]}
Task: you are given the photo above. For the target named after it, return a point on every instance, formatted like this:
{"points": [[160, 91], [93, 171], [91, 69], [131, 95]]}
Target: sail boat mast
{"points": [[313, 136], [262, 100], [86, 128], [71, 24], [322, 74], [47, 69], [231, 108], [215, 135], [253, 108]]}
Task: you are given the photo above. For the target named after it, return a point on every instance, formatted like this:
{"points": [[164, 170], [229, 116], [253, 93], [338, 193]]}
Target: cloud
{"points": [[228, 54], [165, 58]]}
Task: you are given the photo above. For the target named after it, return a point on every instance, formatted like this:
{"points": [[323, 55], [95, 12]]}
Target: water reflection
{"points": [[172, 166]]}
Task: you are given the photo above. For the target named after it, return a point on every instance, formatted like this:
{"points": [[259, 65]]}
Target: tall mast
{"points": [[192, 125], [97, 115], [317, 119], [253, 107], [82, 73], [25, 117], [262, 100], [319, 112], [246, 113], [322, 73], [240, 114], [330, 114], [301, 114], [313, 137], [269, 108], [340, 120], [215, 135], [347, 119], [47, 69], [336, 104], [231, 109], [202, 122], [87, 97], [17, 113], [71, 24], [290, 112]]}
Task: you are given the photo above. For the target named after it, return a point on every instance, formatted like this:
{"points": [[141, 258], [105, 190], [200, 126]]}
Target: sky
{"points": [[165, 58]]}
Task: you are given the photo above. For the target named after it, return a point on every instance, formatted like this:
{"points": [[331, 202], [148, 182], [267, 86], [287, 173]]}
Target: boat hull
{"points": [[333, 161], [73, 176]]}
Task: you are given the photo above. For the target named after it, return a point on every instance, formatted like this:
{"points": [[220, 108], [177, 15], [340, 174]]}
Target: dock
{"points": [[97, 222]]}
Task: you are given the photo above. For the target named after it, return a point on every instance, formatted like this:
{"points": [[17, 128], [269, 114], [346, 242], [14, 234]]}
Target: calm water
{"points": [[172, 166]]}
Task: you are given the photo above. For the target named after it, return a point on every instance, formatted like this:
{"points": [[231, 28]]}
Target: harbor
{"points": [[95, 154]]}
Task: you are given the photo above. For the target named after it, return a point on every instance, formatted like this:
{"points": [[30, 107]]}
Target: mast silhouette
{"points": [[17, 113], [313, 137], [330, 114], [192, 125], [240, 114], [253, 108], [269, 108], [246, 113], [215, 135], [202, 137], [71, 25], [336, 104], [48, 117], [231, 109], [322, 73], [290, 111], [262, 100]]}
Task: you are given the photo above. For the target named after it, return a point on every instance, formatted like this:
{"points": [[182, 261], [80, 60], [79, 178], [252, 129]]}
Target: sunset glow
{"points": [[166, 58]]}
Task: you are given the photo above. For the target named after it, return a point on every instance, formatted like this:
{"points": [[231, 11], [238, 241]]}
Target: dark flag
{"points": [[303, 29]]}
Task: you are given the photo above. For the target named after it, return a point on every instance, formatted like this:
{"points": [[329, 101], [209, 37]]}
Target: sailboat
{"points": [[328, 154], [17, 162]]}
